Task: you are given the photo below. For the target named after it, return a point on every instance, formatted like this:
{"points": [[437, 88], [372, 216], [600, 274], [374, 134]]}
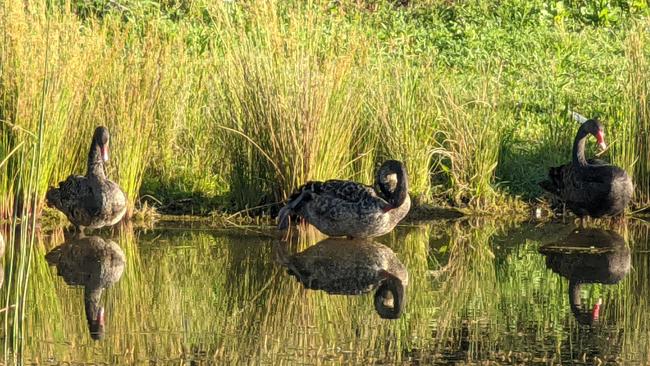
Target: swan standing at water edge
{"points": [[346, 208], [590, 188], [91, 201]]}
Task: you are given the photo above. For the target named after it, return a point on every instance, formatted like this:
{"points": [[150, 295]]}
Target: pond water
{"points": [[463, 291]]}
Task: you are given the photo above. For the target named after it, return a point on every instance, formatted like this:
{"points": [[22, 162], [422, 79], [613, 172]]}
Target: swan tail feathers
{"points": [[296, 200]]}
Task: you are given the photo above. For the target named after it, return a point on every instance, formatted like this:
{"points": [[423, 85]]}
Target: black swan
{"points": [[588, 256], [351, 267], [93, 263], [590, 187], [91, 201], [346, 208]]}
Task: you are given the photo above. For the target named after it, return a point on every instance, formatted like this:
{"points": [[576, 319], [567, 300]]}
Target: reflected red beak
{"points": [[600, 137], [100, 317], [595, 314]]}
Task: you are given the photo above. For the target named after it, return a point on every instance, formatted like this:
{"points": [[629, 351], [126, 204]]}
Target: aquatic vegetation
{"points": [[478, 291]]}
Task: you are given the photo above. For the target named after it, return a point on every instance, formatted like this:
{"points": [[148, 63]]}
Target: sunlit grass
{"points": [[235, 105], [634, 119]]}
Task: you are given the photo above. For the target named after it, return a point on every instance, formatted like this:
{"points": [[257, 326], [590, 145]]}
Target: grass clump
{"points": [[240, 103]]}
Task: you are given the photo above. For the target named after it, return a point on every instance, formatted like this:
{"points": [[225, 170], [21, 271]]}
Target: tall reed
{"points": [[406, 122], [288, 103], [634, 134], [28, 156], [468, 148]]}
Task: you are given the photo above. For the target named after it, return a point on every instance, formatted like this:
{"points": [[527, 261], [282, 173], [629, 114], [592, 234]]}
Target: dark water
{"points": [[461, 292]]}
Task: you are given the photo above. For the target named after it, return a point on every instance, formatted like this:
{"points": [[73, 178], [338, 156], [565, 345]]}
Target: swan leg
{"points": [[287, 235]]}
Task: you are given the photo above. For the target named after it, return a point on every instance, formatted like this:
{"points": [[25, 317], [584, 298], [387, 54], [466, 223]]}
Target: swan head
{"points": [[392, 182], [100, 138], [584, 317], [594, 127], [95, 317], [389, 298]]}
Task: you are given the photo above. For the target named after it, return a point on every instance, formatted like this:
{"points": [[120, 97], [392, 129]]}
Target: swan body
{"points": [[352, 267], [93, 263], [588, 256], [346, 208], [91, 201], [590, 187]]}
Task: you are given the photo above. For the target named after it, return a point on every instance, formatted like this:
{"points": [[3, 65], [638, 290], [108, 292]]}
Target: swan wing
{"points": [[343, 190], [75, 198]]}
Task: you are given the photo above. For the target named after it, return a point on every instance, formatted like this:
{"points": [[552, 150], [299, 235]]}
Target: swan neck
{"points": [[93, 295], [94, 311], [395, 287], [582, 317], [401, 192], [397, 197], [574, 294], [579, 147], [95, 161]]}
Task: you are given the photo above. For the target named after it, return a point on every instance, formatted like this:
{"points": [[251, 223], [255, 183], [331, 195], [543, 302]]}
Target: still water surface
{"points": [[464, 292]]}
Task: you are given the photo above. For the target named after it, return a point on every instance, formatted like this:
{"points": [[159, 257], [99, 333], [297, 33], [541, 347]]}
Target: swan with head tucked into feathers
{"points": [[91, 201], [346, 208], [590, 187]]}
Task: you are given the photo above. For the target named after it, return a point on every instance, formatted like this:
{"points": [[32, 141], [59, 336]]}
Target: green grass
{"points": [[23, 161], [236, 104]]}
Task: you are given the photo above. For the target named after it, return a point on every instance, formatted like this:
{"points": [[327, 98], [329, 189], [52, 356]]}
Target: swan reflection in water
{"points": [[351, 267], [588, 256], [93, 263]]}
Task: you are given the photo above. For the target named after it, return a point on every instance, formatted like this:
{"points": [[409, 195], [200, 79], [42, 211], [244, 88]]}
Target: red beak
{"points": [[105, 152], [600, 137]]}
